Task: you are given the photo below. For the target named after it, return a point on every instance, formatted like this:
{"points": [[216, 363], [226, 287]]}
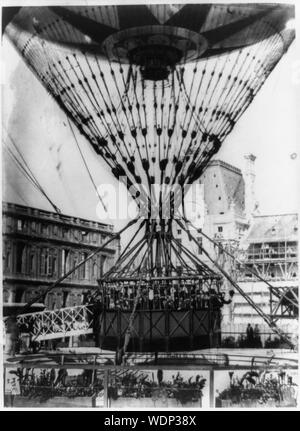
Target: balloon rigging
{"points": [[155, 91]]}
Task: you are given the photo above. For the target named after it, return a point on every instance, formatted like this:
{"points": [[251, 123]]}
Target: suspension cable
{"points": [[24, 168], [86, 165]]}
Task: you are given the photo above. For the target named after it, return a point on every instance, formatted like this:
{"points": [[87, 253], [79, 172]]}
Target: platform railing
{"points": [[65, 322], [162, 360]]}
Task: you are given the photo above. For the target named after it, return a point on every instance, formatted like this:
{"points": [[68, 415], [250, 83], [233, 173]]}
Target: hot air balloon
{"points": [[155, 90]]}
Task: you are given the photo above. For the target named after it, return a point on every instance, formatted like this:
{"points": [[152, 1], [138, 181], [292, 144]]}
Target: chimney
{"points": [[249, 178]]}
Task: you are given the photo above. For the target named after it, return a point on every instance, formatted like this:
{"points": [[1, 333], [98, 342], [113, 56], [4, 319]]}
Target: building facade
{"points": [[223, 214], [268, 245], [224, 197], [40, 246], [271, 252]]}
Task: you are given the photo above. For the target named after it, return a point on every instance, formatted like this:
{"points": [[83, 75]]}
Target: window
{"points": [[65, 233], [7, 257], [102, 263], [19, 224], [220, 228], [32, 263], [6, 296], [75, 273], [49, 264], [7, 260], [94, 270], [84, 266], [44, 229], [54, 265], [20, 257], [8, 224], [46, 262], [219, 198], [64, 261], [179, 231]]}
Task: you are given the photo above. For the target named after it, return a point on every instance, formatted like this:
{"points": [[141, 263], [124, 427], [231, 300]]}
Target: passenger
{"points": [[130, 292], [172, 292], [150, 297], [185, 291], [111, 303], [181, 304], [187, 303], [171, 304], [205, 293]]}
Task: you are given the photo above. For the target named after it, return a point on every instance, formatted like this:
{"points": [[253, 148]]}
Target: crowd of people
{"points": [[174, 297]]}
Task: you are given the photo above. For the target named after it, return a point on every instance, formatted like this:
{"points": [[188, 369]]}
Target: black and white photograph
{"points": [[150, 195]]}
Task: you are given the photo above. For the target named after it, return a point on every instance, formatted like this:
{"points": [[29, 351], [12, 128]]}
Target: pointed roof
{"points": [[274, 228]]}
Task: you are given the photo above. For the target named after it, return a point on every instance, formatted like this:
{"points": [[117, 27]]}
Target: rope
{"points": [[86, 165], [129, 329], [24, 168]]}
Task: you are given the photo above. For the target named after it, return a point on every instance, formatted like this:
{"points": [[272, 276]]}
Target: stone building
{"points": [[271, 252], [223, 209], [267, 244], [224, 196], [39, 246]]}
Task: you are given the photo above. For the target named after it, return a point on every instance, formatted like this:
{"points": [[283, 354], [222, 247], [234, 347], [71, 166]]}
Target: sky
{"points": [[268, 129]]}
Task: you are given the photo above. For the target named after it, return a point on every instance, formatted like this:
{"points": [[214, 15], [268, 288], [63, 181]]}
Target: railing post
{"points": [[105, 384], [191, 328], [211, 388], [167, 329], [94, 370], [141, 328]]}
